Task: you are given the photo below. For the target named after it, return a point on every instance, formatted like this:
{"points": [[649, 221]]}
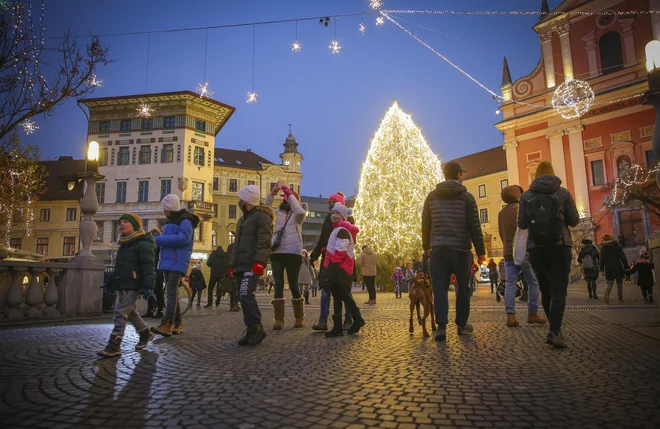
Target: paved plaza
{"points": [[50, 376]]}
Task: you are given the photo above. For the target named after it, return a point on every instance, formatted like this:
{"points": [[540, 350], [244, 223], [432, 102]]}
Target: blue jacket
{"points": [[176, 242]]}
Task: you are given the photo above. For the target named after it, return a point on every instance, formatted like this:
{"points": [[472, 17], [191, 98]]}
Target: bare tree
{"points": [[635, 186]]}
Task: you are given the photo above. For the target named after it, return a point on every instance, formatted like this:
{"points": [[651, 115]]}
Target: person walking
{"points": [[589, 257], [156, 302], [473, 277], [450, 227], [492, 274], [547, 210], [134, 275], [613, 265], [645, 278], [219, 263], [398, 278], [315, 281], [176, 243], [507, 226], [197, 283], [305, 276], [368, 261], [249, 258], [338, 270], [287, 254]]}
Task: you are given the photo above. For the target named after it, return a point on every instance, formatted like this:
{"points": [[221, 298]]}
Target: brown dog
{"points": [[421, 293]]}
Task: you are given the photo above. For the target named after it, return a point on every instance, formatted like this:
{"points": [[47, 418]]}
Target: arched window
{"points": [[214, 238], [611, 52], [231, 237]]}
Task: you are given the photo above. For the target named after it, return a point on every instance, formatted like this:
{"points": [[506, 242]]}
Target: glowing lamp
{"points": [[653, 55], [93, 151]]}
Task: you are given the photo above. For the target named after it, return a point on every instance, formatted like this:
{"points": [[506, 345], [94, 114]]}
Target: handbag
{"points": [[520, 246], [278, 235]]}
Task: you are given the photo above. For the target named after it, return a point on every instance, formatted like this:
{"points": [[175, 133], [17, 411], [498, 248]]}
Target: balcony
{"points": [[202, 209]]}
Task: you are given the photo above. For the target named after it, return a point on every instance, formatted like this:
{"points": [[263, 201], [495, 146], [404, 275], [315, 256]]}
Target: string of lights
{"points": [[253, 96], [518, 12], [144, 110], [203, 88]]}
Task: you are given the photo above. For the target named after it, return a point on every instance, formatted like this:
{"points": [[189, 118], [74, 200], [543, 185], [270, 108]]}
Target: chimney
{"points": [[249, 150], [65, 158]]}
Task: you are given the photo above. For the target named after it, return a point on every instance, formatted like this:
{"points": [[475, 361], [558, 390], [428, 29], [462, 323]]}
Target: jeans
{"points": [[172, 311], [341, 293], [126, 310], [291, 263], [619, 286], [247, 284], [370, 282], [512, 273], [552, 265], [591, 287], [444, 263], [325, 304]]}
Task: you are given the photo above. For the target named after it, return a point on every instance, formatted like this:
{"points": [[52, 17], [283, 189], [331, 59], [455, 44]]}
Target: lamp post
{"points": [[90, 204]]}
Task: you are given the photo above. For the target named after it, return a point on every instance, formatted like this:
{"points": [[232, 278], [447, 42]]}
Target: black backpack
{"points": [[546, 222]]}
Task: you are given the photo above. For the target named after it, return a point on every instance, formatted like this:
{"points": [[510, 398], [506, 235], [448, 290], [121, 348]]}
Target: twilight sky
{"points": [[335, 102]]}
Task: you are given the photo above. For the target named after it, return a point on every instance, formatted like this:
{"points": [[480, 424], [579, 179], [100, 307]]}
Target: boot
{"points": [[113, 348], [234, 308], [441, 333], [165, 328], [322, 324], [246, 336], [158, 315], [558, 341], [278, 313], [465, 330], [145, 336], [535, 319], [347, 324], [257, 336], [607, 297], [337, 329], [178, 327], [511, 321], [358, 323], [210, 304], [298, 312]]}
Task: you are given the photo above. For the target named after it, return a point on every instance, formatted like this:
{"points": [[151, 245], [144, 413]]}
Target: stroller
{"points": [[520, 290]]}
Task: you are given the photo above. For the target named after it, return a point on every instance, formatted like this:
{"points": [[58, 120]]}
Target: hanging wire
{"points": [[206, 52], [254, 47], [146, 79], [296, 30]]}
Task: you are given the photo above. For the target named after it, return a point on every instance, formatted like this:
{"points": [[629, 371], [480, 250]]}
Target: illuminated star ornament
{"points": [[380, 20], [362, 28], [375, 4], [296, 46], [144, 110], [252, 97], [93, 81], [29, 126], [573, 98], [335, 47], [204, 90]]}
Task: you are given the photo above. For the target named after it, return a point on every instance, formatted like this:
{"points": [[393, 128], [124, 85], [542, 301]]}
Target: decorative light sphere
{"points": [[204, 90], [296, 46], [252, 97], [380, 20], [144, 110], [335, 47], [29, 126], [375, 4], [573, 98]]}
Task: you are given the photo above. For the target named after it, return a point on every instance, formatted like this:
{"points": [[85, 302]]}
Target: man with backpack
{"points": [[547, 210], [589, 258]]}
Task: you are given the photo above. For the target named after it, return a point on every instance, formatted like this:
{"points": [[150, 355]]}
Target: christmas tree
{"points": [[398, 174]]}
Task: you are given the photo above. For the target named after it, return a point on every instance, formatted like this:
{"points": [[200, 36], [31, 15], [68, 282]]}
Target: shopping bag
{"points": [[520, 246]]}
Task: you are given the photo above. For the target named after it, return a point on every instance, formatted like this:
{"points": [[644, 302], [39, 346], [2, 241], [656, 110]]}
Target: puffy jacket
{"points": [[306, 274], [451, 219], [135, 267], [219, 263], [589, 249], [613, 261], [550, 185], [197, 280], [319, 249], [292, 236], [644, 269], [176, 241], [339, 264], [507, 221], [368, 261], [253, 234]]}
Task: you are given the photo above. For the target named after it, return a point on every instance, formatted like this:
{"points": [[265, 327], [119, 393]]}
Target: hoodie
{"points": [[176, 241], [450, 218], [550, 185], [508, 219], [368, 262]]}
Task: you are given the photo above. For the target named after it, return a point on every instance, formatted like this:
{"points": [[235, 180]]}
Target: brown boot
{"points": [[278, 313], [511, 321], [178, 328], [535, 319], [298, 312], [165, 328], [234, 308]]}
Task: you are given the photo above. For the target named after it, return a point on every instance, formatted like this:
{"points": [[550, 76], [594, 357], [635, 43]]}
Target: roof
{"points": [[239, 159], [60, 173], [482, 163]]}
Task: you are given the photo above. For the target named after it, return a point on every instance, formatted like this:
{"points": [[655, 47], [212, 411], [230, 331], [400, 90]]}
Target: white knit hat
{"points": [[250, 195], [344, 211], [170, 203]]}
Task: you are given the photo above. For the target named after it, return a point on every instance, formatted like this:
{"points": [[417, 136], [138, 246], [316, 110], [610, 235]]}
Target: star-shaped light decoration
{"points": [[144, 110], [380, 20], [204, 90], [252, 97], [29, 126], [296, 46], [335, 48], [362, 28], [375, 4], [93, 81]]}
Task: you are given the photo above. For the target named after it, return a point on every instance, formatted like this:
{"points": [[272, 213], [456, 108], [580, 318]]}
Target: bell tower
{"points": [[291, 158]]}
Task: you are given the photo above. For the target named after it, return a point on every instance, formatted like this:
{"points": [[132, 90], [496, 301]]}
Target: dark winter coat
{"points": [[492, 270], [253, 234], [507, 221], [197, 280], [135, 266], [644, 269], [176, 241], [613, 261], [591, 250], [550, 185], [319, 249], [451, 219], [219, 263]]}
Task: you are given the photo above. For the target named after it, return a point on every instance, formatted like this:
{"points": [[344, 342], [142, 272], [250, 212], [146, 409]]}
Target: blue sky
{"points": [[335, 102]]}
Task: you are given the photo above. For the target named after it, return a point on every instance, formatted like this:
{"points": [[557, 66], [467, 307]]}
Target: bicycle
{"points": [[184, 297]]}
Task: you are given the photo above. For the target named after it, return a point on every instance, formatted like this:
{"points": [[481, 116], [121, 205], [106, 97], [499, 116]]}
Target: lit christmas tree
{"points": [[398, 174]]}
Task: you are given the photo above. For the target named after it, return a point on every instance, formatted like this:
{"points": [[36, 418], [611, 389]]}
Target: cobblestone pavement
{"points": [[50, 376]]}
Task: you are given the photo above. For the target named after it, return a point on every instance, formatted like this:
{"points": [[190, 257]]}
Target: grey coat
{"points": [[451, 219], [253, 233]]}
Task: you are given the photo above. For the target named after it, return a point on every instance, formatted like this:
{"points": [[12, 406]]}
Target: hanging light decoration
{"points": [[29, 126], [204, 90], [573, 98], [335, 47], [144, 110], [362, 28], [296, 46], [252, 97], [375, 4], [380, 20], [93, 81]]}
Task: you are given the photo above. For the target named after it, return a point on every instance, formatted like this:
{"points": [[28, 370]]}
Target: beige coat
{"points": [[368, 261]]}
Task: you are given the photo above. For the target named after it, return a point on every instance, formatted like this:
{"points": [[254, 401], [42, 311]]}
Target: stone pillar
{"points": [[512, 162], [557, 154], [580, 182], [89, 206], [548, 60], [590, 46], [655, 18], [566, 57], [630, 58]]}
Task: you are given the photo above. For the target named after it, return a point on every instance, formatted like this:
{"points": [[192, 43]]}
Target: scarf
{"points": [[123, 239]]}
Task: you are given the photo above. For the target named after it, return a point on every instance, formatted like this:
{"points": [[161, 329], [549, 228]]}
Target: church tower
{"points": [[291, 158]]}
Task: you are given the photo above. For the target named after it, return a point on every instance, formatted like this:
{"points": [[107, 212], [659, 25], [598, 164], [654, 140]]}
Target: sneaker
{"points": [[113, 348], [558, 341], [257, 336], [145, 336], [441, 333], [466, 330], [246, 337], [347, 324]]}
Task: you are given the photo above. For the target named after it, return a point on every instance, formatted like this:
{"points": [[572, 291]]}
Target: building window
{"points": [[104, 127], [145, 155], [292, 187], [115, 230], [143, 191], [483, 215], [482, 191], [44, 215], [198, 232], [198, 157], [165, 187], [232, 211], [597, 173], [272, 185], [99, 232], [611, 52], [42, 246], [167, 154], [200, 125], [215, 183], [197, 191], [215, 210], [651, 159], [121, 192], [70, 186], [100, 192], [69, 248], [233, 185], [504, 183], [231, 237], [16, 243], [147, 124], [169, 122], [214, 238], [103, 157], [122, 157], [126, 125], [251, 182], [71, 214]]}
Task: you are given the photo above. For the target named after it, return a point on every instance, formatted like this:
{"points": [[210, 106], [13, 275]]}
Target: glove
{"points": [[187, 279], [146, 293], [231, 271], [286, 190], [258, 268]]}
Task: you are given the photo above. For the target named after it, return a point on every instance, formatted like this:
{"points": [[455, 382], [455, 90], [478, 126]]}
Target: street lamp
{"points": [[652, 96], [93, 155], [90, 204]]}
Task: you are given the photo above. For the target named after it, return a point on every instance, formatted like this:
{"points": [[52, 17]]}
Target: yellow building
{"points": [[56, 216], [485, 175]]}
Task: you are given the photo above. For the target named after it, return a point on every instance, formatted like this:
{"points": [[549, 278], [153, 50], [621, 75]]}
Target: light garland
{"points": [[252, 97], [335, 47], [204, 90], [380, 20], [29, 126], [375, 4], [399, 158], [144, 110], [629, 178], [573, 98], [520, 12], [362, 28], [93, 81]]}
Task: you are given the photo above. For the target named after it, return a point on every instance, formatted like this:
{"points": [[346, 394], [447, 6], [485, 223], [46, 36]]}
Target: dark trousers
{"points": [[246, 285], [172, 310], [493, 283], [591, 287], [199, 295], [444, 263], [156, 301], [647, 291], [552, 266], [370, 281], [341, 293], [215, 281], [291, 263]]}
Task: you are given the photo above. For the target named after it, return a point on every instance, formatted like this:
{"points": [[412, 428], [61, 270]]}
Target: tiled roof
{"points": [[60, 173], [482, 163], [239, 159]]}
